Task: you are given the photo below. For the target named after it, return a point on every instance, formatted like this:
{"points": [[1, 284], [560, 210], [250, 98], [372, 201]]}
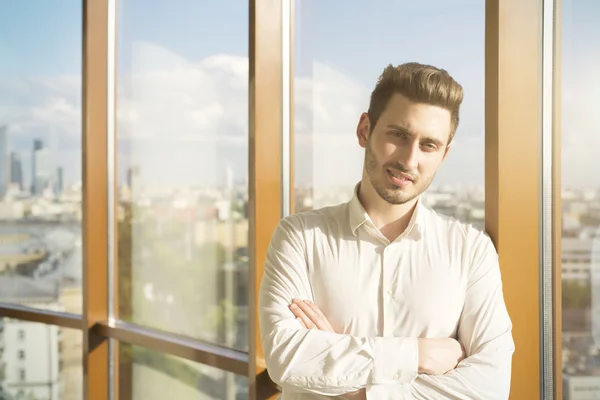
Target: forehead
{"points": [[419, 118]]}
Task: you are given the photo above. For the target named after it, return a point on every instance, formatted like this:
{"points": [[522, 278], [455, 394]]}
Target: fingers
{"points": [[310, 315], [301, 322], [302, 317], [323, 322], [315, 309]]}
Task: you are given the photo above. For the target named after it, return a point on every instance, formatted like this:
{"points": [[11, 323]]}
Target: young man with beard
{"points": [[381, 297]]}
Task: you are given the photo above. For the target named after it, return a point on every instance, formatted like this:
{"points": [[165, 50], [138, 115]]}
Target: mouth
{"points": [[399, 179]]}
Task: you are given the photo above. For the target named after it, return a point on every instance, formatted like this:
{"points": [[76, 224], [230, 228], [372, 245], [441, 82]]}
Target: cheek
{"points": [[387, 151], [429, 165]]}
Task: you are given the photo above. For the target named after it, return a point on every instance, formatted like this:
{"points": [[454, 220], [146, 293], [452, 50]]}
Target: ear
{"points": [[363, 130]]}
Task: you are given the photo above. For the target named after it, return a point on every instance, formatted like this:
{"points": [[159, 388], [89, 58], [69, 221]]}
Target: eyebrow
{"points": [[409, 132]]}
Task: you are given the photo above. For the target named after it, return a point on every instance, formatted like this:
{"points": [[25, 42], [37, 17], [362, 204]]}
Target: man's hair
{"points": [[419, 83]]}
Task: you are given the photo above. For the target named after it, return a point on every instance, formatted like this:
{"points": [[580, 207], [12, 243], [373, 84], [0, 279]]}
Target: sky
{"points": [[182, 94]]}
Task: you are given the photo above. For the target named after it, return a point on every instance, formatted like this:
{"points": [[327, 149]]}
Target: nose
{"points": [[409, 156]]}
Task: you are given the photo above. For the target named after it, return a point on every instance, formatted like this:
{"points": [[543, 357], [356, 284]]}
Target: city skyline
{"points": [[206, 115], [30, 171]]}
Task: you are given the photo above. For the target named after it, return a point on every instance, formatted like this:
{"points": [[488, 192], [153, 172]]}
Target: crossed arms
{"points": [[320, 361]]}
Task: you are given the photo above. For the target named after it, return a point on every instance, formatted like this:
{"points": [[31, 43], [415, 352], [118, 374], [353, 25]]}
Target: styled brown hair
{"points": [[419, 83]]}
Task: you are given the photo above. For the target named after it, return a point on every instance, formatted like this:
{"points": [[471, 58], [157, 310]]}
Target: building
{"points": [[59, 181], [16, 170], [576, 259], [38, 144], [44, 171], [581, 387], [595, 286], [32, 355], [133, 176], [4, 162]]}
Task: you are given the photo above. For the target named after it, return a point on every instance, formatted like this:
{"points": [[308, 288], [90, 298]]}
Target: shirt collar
{"points": [[358, 216]]}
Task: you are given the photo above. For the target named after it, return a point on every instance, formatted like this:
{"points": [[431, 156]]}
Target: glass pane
{"points": [[338, 58], [182, 155], [40, 154], [39, 362], [580, 199], [149, 375]]}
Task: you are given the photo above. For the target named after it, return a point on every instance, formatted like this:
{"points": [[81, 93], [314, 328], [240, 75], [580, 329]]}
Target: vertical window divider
{"points": [[512, 173], [95, 196], [265, 164], [547, 204]]}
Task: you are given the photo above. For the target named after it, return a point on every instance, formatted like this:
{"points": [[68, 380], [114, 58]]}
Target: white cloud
{"points": [[182, 121], [41, 105], [168, 96]]}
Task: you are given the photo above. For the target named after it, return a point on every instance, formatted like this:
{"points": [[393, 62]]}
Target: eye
{"points": [[399, 134], [430, 146]]}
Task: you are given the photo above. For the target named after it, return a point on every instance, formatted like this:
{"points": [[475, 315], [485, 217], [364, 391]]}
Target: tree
{"points": [[576, 294]]}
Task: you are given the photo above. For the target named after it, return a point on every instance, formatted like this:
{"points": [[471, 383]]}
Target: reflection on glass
{"points": [[39, 362], [40, 155], [148, 375], [182, 160], [338, 57], [580, 199]]}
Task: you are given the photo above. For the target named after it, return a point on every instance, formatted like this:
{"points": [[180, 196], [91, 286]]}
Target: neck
{"points": [[390, 219]]}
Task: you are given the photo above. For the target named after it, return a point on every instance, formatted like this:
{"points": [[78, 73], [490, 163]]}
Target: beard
{"points": [[385, 189]]}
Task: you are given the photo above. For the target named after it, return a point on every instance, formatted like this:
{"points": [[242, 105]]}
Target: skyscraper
{"points": [[16, 170], [59, 181], [38, 144], [44, 171], [4, 165], [133, 174]]}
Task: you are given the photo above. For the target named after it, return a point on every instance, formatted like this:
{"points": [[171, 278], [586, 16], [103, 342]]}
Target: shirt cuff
{"points": [[396, 360]]}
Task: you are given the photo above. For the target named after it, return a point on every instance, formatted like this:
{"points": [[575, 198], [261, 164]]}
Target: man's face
{"points": [[405, 149]]}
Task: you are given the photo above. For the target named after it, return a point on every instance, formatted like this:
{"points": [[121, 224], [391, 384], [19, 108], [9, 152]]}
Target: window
{"points": [[146, 173], [49, 370], [580, 199], [153, 376], [40, 155], [182, 167], [337, 60], [41, 191]]}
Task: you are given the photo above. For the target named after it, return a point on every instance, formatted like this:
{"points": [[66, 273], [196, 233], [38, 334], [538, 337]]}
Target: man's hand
{"points": [[438, 356], [309, 315]]}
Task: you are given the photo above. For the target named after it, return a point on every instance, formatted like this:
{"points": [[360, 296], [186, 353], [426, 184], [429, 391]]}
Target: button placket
{"points": [[387, 292]]}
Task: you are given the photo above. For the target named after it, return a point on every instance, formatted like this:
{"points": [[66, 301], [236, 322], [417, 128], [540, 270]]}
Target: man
{"points": [[382, 298]]}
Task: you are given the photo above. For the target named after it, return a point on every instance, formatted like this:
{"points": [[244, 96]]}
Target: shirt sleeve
{"points": [[485, 331], [311, 360]]}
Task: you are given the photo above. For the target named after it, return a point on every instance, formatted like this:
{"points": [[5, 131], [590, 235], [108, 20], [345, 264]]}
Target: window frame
{"points": [[512, 30]]}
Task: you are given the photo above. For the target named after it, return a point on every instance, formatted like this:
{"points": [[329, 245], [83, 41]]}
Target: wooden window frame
{"points": [[513, 80], [512, 123]]}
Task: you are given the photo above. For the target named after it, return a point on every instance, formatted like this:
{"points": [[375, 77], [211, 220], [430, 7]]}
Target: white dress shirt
{"points": [[440, 278]]}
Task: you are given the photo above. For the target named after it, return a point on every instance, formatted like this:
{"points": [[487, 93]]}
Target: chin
{"points": [[397, 196]]}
